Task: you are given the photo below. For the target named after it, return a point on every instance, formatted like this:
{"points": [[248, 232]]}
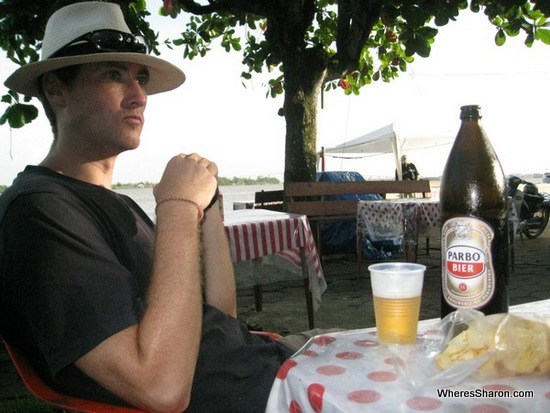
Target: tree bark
{"points": [[304, 75]]}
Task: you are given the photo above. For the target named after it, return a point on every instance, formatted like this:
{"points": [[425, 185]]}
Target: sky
{"points": [[239, 129]]}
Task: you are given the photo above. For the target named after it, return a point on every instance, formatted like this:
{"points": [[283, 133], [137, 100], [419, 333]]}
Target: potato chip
{"points": [[516, 345]]}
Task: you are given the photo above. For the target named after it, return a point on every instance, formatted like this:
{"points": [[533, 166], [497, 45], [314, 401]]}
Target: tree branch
{"points": [[356, 19], [287, 23], [344, 22]]}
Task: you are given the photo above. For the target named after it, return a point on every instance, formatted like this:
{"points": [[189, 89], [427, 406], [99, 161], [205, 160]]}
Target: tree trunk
{"points": [[304, 74]]}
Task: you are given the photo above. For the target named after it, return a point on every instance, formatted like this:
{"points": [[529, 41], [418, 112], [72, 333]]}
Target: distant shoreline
{"points": [[260, 180], [222, 181]]}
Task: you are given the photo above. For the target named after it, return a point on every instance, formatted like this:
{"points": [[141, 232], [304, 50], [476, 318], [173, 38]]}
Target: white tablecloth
{"points": [[384, 218]]}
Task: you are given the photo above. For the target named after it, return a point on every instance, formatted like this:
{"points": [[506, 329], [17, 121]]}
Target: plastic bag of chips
{"points": [[514, 345], [468, 343]]}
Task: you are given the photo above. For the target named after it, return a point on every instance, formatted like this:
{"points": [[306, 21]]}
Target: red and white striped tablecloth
{"points": [[255, 233], [258, 233]]}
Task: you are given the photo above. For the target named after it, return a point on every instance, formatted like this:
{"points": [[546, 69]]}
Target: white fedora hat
{"points": [[64, 32]]}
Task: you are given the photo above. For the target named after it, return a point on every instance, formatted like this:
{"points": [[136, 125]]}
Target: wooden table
{"points": [[256, 235], [349, 372]]}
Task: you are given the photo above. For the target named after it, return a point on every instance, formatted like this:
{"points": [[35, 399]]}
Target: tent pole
{"points": [[397, 154]]}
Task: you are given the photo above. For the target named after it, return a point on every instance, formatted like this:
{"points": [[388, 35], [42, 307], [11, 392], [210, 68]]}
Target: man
{"points": [[408, 170], [105, 307]]}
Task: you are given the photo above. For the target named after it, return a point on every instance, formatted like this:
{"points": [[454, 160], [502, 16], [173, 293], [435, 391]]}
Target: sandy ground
{"points": [[347, 302]]}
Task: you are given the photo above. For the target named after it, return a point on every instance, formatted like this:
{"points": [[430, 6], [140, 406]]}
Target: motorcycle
{"points": [[532, 206]]}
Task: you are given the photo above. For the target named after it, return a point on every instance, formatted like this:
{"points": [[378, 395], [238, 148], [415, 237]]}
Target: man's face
{"points": [[105, 106]]}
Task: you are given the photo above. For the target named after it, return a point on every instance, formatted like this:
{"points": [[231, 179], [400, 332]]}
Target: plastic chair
{"points": [[45, 393], [42, 391], [274, 336]]}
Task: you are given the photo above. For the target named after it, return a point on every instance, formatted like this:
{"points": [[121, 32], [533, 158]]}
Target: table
{"points": [[259, 236], [349, 372], [403, 219], [397, 219]]}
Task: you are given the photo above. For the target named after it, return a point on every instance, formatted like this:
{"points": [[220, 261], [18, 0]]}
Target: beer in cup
{"points": [[396, 289]]}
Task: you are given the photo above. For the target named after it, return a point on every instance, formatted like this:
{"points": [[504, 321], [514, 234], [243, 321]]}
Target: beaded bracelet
{"points": [[201, 212]]}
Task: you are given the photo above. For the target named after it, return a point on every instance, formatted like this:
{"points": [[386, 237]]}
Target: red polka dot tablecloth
{"points": [[350, 372]]}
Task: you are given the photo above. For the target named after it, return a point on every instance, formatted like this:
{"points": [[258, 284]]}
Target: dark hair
{"points": [[67, 75]]}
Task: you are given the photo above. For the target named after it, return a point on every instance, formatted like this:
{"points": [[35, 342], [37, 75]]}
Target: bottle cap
{"points": [[470, 112]]}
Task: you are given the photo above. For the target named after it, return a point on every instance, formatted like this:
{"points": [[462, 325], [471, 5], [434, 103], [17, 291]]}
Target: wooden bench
{"points": [[309, 198], [271, 200]]}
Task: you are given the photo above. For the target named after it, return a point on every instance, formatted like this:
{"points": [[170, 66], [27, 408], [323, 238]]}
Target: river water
{"points": [[232, 195], [242, 194]]}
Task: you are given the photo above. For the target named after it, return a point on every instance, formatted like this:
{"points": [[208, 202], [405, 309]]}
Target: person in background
{"points": [[408, 170], [105, 304]]}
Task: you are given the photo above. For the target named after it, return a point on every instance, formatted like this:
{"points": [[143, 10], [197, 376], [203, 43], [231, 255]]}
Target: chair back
{"points": [[271, 200], [45, 393]]}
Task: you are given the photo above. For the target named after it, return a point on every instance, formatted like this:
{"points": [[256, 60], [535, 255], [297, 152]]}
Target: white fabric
{"points": [[394, 138]]}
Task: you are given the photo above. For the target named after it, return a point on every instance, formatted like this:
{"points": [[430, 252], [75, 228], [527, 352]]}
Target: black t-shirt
{"points": [[75, 261]]}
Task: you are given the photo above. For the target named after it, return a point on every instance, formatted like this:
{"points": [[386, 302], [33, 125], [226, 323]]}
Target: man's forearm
{"points": [[174, 304], [219, 278]]}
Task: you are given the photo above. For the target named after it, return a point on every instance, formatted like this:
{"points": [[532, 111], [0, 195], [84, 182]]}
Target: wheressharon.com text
{"points": [[484, 393]]}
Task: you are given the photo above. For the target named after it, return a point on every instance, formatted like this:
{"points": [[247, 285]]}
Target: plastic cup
{"points": [[396, 290]]}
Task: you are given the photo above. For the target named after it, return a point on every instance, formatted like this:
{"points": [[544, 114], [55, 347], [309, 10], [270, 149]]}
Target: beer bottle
{"points": [[474, 230]]}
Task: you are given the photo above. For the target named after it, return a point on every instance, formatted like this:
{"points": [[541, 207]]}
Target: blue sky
{"points": [[239, 129]]}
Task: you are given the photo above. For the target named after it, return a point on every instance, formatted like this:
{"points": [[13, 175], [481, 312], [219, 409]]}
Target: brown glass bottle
{"points": [[474, 231]]}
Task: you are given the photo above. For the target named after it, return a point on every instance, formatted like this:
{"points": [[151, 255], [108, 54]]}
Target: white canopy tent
{"points": [[388, 139]]}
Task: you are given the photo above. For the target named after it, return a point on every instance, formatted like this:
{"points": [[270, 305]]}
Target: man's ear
{"points": [[53, 89]]}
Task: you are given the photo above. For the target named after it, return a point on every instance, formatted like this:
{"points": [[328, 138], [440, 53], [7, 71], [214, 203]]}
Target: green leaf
{"points": [[500, 37], [534, 14], [14, 117], [4, 117], [428, 32], [497, 21], [441, 19], [236, 44], [543, 35], [7, 98], [18, 115], [162, 12], [424, 49], [141, 5]]}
